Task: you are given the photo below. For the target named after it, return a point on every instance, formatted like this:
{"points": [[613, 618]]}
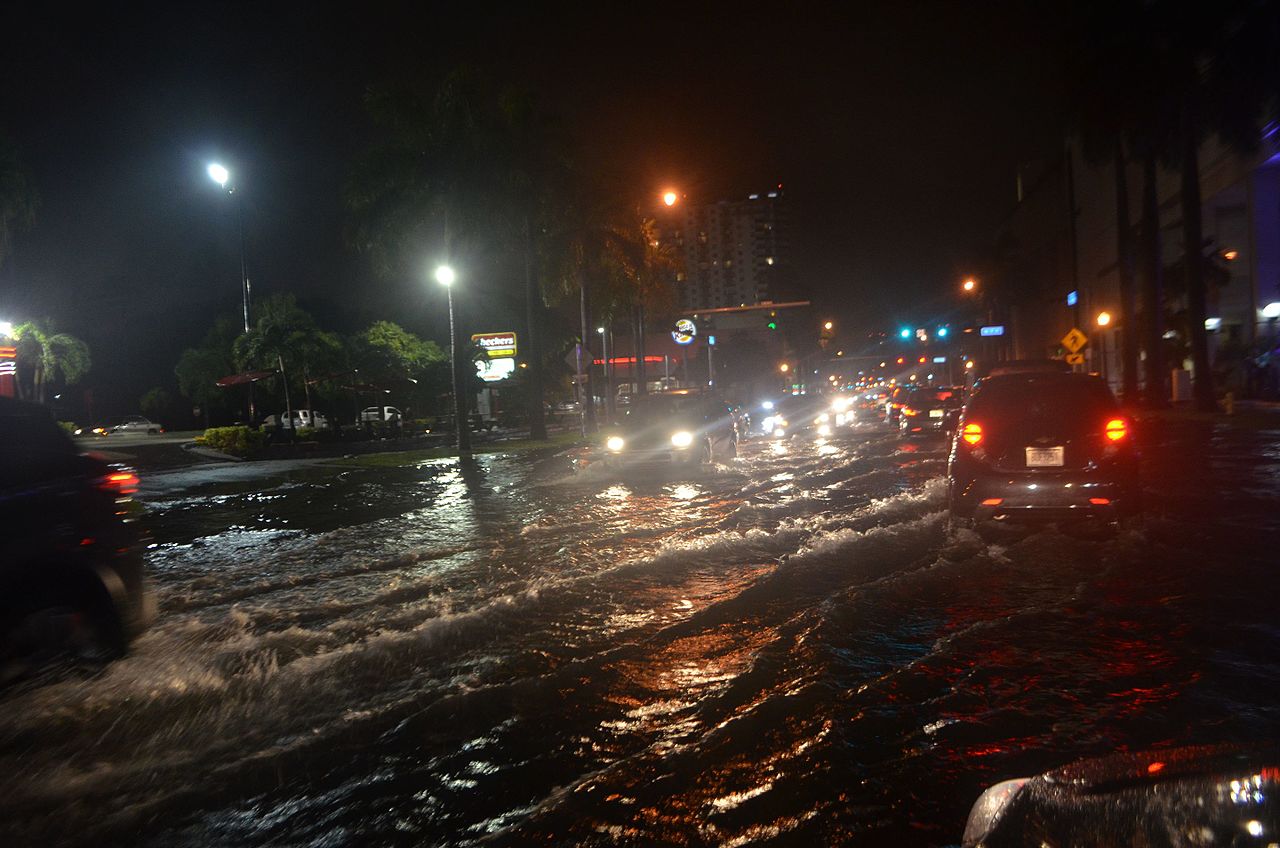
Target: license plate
{"points": [[936, 413], [1044, 457]]}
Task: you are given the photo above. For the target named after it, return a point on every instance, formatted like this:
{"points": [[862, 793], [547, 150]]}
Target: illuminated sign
{"points": [[8, 360], [497, 345], [685, 332], [1073, 298], [995, 330], [495, 369]]}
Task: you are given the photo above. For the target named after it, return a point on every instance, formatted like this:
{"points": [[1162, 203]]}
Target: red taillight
{"points": [[1117, 429], [119, 483], [1100, 501], [972, 433]]}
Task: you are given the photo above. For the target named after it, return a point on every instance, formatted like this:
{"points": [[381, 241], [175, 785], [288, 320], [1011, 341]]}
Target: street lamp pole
{"points": [[222, 176], [608, 377], [445, 277]]}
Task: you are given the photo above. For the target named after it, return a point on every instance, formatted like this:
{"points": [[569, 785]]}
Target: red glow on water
{"points": [[1155, 768]]}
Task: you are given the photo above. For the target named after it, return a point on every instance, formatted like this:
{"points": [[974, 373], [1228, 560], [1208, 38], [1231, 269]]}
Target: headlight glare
{"points": [[682, 439], [615, 443]]}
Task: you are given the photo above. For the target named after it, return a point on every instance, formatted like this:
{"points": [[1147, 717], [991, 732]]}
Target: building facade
{"points": [[735, 252]]}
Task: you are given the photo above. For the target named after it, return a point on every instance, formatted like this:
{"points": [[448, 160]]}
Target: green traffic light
{"points": [[772, 325]]}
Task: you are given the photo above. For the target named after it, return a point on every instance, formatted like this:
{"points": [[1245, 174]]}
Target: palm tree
{"points": [[47, 356], [275, 339], [19, 199]]}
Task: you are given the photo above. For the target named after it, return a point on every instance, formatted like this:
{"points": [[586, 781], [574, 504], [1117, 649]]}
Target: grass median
{"points": [[397, 459]]}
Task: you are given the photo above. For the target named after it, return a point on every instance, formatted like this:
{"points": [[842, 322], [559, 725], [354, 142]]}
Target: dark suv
{"points": [[930, 410], [71, 577], [1042, 445]]}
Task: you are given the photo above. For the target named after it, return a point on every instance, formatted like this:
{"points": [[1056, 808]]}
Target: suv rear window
{"points": [[948, 397], [1042, 396]]}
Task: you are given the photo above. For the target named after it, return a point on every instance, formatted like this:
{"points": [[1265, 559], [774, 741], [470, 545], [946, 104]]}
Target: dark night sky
{"points": [[895, 127]]}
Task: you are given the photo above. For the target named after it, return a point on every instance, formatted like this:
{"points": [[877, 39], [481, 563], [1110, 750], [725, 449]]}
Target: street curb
{"points": [[210, 453]]}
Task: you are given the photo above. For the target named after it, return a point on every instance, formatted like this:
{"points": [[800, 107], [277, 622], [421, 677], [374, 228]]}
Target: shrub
{"points": [[237, 441], [69, 427]]}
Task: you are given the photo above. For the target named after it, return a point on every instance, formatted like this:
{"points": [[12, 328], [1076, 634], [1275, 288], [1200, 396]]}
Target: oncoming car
{"points": [[1042, 445], [682, 426]]}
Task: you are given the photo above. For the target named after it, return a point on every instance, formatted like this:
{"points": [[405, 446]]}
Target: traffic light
{"points": [[942, 332], [905, 332], [772, 323]]}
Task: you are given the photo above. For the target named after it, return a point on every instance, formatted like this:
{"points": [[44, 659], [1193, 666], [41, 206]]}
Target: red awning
{"points": [[246, 377]]}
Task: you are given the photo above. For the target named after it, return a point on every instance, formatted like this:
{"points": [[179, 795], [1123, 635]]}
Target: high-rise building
{"points": [[736, 252]]}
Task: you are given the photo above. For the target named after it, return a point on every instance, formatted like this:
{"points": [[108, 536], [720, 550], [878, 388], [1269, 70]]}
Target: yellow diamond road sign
{"points": [[1074, 340]]}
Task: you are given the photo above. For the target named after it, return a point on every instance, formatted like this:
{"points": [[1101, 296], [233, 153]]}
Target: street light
{"points": [[669, 198], [970, 285], [784, 368], [828, 326], [1104, 318], [445, 276]]}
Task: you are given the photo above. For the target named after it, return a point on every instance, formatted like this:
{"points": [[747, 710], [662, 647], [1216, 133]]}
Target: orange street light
{"points": [[670, 198], [970, 285], [828, 326], [1104, 318], [784, 368]]}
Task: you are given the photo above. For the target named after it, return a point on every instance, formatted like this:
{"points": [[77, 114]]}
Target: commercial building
{"points": [[1052, 270]]}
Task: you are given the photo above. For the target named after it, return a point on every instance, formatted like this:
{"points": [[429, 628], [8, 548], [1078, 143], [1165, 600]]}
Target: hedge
{"points": [[237, 441]]}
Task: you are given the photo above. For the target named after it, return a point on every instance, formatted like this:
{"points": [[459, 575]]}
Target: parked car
{"points": [[71, 573], [683, 426], [1039, 444], [137, 424], [379, 413], [301, 418], [930, 410]]}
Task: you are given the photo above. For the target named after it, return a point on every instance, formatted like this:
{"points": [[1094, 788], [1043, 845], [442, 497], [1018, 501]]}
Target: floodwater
{"points": [[788, 649]]}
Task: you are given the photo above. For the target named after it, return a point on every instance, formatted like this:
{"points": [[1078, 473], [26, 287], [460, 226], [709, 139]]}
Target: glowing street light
{"points": [[784, 368], [1104, 318], [446, 276], [669, 198], [219, 174], [828, 326], [970, 285]]}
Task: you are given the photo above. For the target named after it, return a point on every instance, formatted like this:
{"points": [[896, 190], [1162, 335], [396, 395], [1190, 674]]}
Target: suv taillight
{"points": [[906, 410], [1116, 429], [972, 433], [119, 483]]}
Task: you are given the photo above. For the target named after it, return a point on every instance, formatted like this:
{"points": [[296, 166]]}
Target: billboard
{"points": [[497, 345]]}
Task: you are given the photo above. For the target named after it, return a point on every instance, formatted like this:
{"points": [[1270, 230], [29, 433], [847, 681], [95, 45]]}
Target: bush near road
{"points": [[237, 441]]}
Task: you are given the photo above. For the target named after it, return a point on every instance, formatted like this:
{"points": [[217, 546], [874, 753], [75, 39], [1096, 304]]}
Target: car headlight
{"points": [[79, 430], [778, 433], [767, 424], [682, 439], [615, 443], [824, 430]]}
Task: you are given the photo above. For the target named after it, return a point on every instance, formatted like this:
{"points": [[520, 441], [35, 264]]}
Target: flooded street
{"points": [[790, 649]]}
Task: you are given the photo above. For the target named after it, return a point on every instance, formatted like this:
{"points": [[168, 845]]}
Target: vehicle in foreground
{"points": [[71, 574], [1042, 445], [137, 424], [1178, 796], [930, 411], [682, 426]]}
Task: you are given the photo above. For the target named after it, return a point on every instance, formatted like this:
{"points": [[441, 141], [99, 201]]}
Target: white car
{"points": [[301, 418], [385, 413], [137, 424]]}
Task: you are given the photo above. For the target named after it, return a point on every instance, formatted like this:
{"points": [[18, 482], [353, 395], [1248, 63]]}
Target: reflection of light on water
{"points": [[615, 493], [778, 449], [733, 799], [786, 475], [684, 492], [827, 450], [683, 604]]}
